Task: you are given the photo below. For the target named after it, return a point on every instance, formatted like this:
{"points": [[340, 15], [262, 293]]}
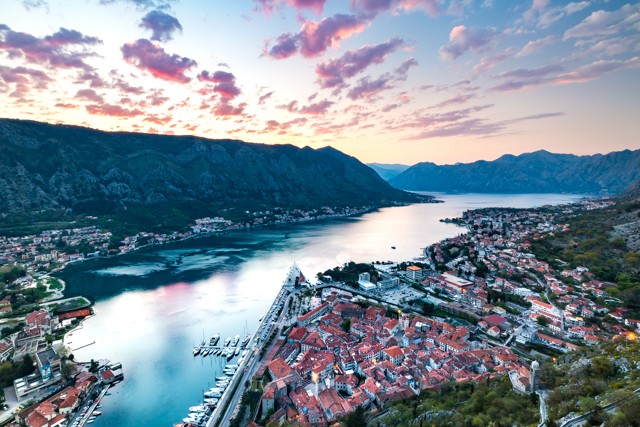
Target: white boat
{"points": [[227, 341], [246, 340], [198, 408], [214, 340], [237, 352], [196, 350], [213, 394], [96, 413], [221, 378], [232, 366]]}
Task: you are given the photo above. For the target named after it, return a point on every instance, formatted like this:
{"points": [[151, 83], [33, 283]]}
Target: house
{"points": [[394, 354]]}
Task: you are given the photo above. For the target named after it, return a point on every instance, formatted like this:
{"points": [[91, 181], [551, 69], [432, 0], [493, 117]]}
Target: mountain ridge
{"points": [[70, 170], [537, 172]]}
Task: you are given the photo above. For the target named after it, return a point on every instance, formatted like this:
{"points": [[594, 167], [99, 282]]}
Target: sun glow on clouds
{"points": [[380, 79]]}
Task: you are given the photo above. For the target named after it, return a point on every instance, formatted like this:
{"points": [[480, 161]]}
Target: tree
{"points": [[346, 325], [68, 370], [542, 321]]}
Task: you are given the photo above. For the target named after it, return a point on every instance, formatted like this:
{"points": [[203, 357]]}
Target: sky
{"points": [[387, 81]]}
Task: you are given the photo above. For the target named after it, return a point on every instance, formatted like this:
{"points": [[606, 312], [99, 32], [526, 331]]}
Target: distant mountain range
{"points": [[388, 171], [538, 172], [54, 169]]}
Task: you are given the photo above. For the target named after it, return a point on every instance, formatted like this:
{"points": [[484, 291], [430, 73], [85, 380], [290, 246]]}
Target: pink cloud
{"points": [[150, 57], [25, 76], [89, 95], [225, 83], [430, 7], [263, 98], [316, 37], [111, 110], [367, 88], [285, 46], [462, 39], [333, 72], [224, 109], [316, 108], [554, 74], [63, 49], [268, 6]]}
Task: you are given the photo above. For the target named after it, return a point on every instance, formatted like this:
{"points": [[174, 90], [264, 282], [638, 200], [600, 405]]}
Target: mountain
{"points": [[538, 172], [52, 170], [388, 171]]}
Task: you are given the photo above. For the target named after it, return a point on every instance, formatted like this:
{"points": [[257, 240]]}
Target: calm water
{"points": [[154, 305]]}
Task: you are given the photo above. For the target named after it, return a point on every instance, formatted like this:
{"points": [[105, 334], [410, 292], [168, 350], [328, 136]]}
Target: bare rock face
{"points": [[47, 168]]}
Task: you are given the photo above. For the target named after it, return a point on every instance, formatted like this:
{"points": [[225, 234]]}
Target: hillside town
{"points": [[473, 308]]}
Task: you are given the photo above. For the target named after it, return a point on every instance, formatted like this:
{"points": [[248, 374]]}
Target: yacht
{"points": [[246, 340], [196, 350], [221, 378], [237, 352], [234, 367], [198, 408], [96, 413], [214, 340], [235, 341], [227, 341], [213, 394]]}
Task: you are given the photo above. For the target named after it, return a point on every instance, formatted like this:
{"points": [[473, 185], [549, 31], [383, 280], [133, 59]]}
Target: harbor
{"points": [[219, 402]]}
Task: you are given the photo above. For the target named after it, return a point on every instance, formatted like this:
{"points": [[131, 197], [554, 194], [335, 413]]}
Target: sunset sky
{"points": [[388, 81]]}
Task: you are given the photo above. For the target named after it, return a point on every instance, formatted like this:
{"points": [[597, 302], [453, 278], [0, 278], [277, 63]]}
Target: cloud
{"points": [[367, 88], [263, 98], [62, 49], [225, 83], [25, 76], [268, 6], [602, 22], [333, 72], [224, 109], [150, 57], [463, 123], [462, 39], [317, 108], [402, 70], [534, 46], [555, 74], [315, 37], [34, 4], [286, 45], [89, 95], [111, 110], [458, 99], [162, 25], [430, 7], [555, 14], [536, 9], [141, 4]]}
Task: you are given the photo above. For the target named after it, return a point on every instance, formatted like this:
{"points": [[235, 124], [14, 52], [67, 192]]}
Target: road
{"points": [[543, 407]]}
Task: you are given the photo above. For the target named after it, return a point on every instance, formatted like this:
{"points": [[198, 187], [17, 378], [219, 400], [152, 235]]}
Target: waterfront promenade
{"points": [[251, 362]]}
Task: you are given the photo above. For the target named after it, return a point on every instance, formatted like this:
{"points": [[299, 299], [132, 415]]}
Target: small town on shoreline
{"points": [[473, 308]]}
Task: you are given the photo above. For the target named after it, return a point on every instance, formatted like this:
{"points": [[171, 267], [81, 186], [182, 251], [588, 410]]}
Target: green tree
{"points": [[542, 321]]}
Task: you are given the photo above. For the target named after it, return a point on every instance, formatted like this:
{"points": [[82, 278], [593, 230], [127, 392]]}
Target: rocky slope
{"points": [[66, 169]]}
